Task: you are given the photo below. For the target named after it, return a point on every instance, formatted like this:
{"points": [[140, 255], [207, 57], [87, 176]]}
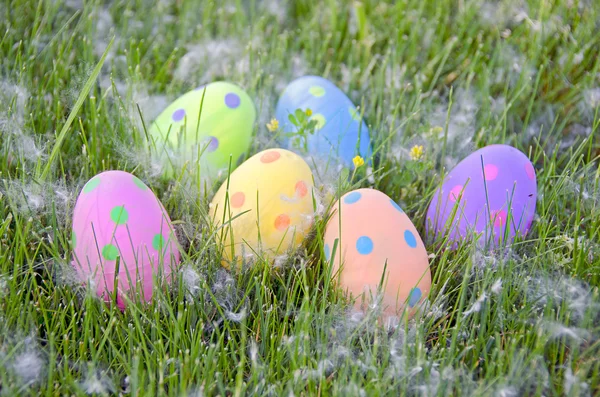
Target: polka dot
{"points": [[73, 239], [396, 206], [139, 183], [301, 189], [414, 297], [158, 242], [498, 217], [364, 245], [282, 222], [317, 91], [327, 252], [354, 113], [110, 252], [530, 171], [178, 115], [211, 143], [410, 239], [455, 193], [320, 120], [237, 199], [352, 197], [490, 171], [91, 185], [270, 156], [119, 215], [232, 100]]}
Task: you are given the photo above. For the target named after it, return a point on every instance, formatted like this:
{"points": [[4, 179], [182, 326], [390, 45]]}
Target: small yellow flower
{"points": [[308, 112], [358, 161], [273, 125], [416, 152], [437, 130]]}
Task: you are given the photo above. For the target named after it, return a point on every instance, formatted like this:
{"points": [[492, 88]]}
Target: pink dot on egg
{"points": [[237, 199], [282, 222], [490, 171], [529, 170], [455, 193], [498, 217], [270, 157], [301, 189]]}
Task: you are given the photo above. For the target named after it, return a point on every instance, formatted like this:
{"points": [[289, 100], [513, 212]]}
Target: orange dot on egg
{"points": [[270, 156], [237, 200], [301, 189], [282, 222]]}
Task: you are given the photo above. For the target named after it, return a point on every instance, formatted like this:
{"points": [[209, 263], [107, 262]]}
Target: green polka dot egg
{"points": [[210, 124], [118, 219]]}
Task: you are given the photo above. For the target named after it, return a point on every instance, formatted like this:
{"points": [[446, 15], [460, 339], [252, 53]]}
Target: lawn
{"points": [[80, 83]]}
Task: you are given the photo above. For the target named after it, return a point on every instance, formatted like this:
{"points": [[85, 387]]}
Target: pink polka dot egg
{"points": [[491, 193], [118, 219], [369, 236], [265, 209], [205, 126]]}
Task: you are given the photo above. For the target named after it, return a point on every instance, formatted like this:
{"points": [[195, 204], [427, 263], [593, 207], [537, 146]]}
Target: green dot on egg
{"points": [[119, 215], [158, 242], [91, 185], [110, 252], [138, 182]]}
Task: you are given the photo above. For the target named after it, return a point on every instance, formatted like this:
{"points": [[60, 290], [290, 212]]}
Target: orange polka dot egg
{"points": [[118, 219], [214, 121], [265, 208], [371, 234]]}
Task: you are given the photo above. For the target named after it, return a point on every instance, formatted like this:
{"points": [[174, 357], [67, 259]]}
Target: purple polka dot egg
{"points": [[123, 237], [210, 126], [490, 195]]}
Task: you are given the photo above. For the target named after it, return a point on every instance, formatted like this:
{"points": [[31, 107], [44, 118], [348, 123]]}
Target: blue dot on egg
{"points": [[364, 245], [410, 239], [414, 297], [352, 198], [327, 252], [396, 206]]}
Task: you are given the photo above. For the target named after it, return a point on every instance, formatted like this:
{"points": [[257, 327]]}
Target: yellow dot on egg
{"points": [[320, 119]]}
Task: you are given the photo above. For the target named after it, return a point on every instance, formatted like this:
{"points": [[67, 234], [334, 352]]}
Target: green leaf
{"points": [[78, 104]]}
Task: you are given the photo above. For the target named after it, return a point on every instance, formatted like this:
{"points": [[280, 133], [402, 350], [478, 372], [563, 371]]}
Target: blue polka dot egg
{"points": [[340, 132], [368, 233], [207, 126]]}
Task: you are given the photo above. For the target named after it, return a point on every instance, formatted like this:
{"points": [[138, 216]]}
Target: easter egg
{"points": [[340, 133], [373, 237], [266, 206], [118, 218], [210, 130], [492, 192]]}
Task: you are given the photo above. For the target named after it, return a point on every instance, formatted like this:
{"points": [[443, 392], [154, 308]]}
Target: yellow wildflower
{"points": [[273, 125], [358, 161], [416, 152], [308, 112]]}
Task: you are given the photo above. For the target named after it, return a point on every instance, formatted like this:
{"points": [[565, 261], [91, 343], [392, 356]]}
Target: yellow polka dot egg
{"points": [[265, 208], [121, 236], [209, 125], [369, 236]]}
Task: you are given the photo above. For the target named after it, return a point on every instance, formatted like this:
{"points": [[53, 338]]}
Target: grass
{"points": [[449, 75]]}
